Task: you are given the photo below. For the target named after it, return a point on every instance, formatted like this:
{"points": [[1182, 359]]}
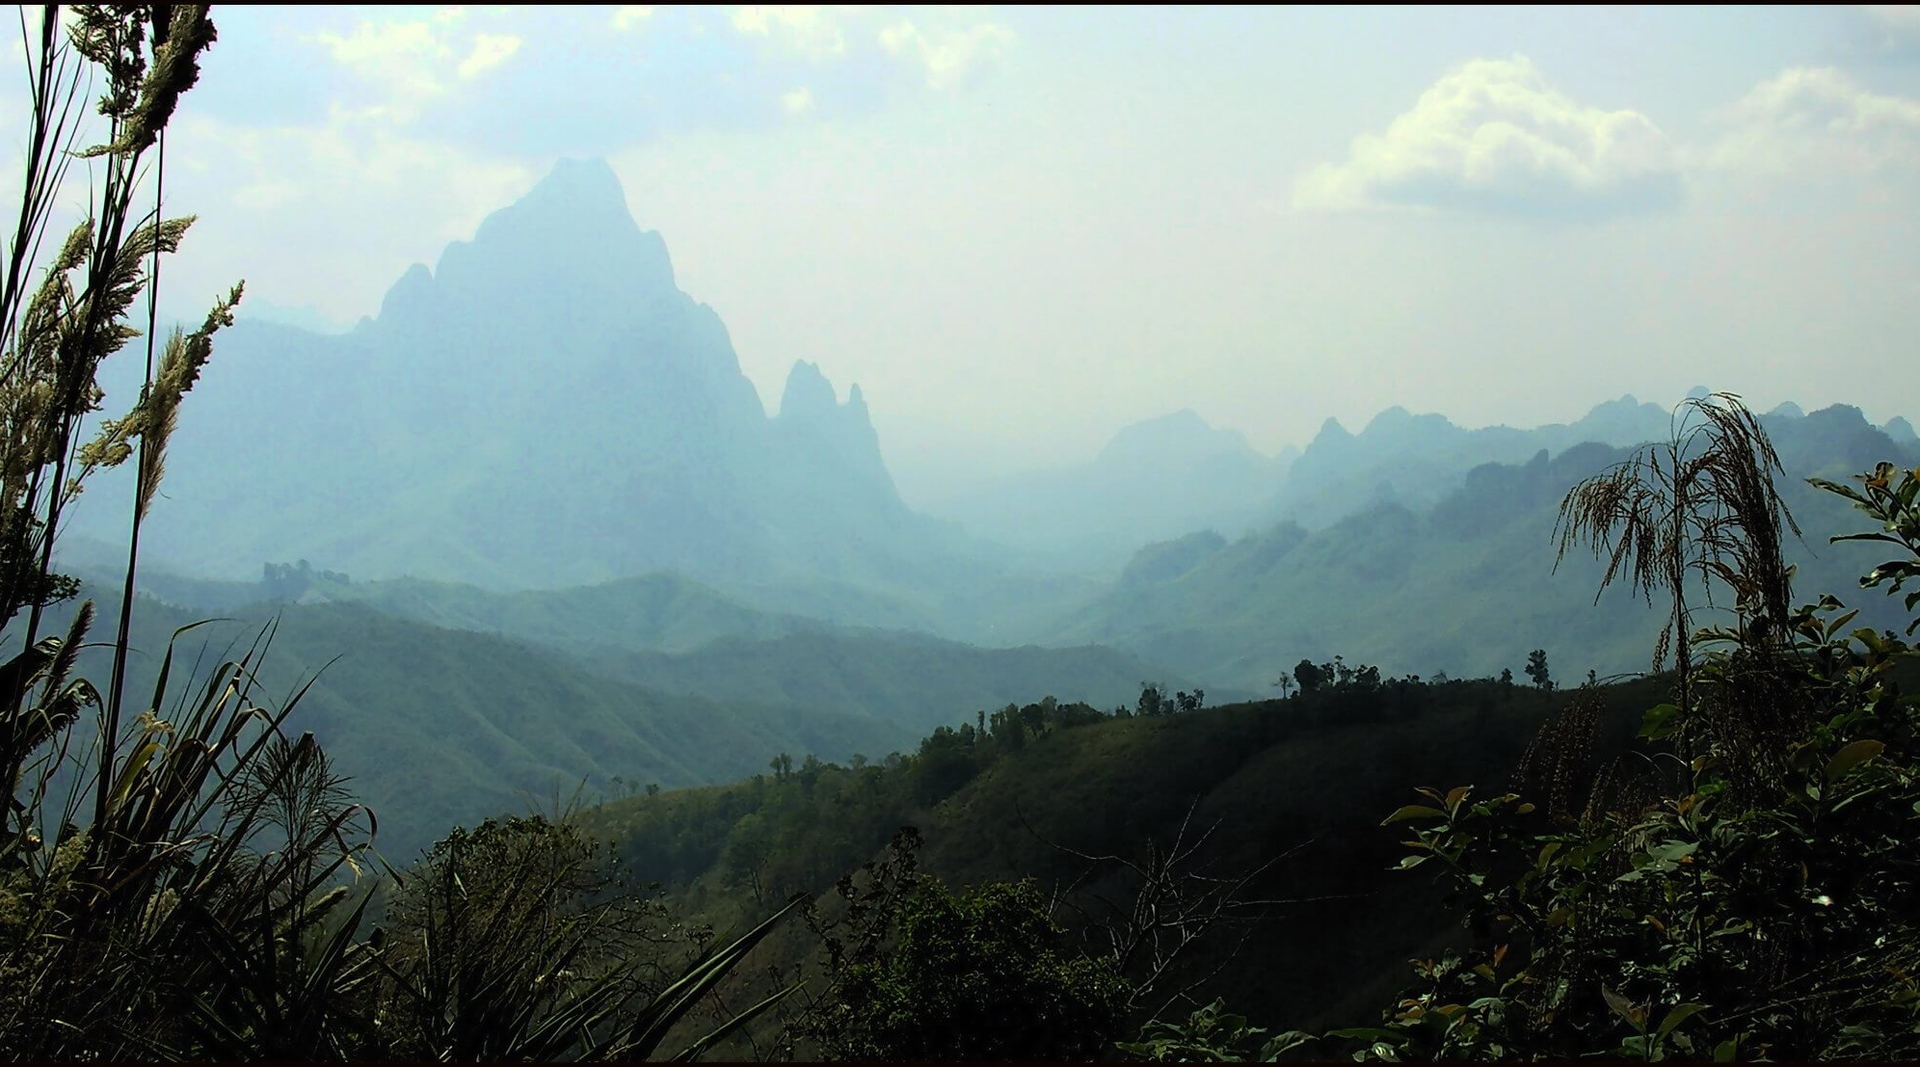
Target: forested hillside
{"points": [[439, 727], [1296, 784]]}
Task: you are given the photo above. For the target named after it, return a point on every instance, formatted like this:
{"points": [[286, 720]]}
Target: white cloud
{"points": [[489, 51], [405, 57], [417, 60], [629, 16], [1811, 122], [947, 54], [812, 30], [1493, 136], [940, 44], [798, 101], [382, 198]]}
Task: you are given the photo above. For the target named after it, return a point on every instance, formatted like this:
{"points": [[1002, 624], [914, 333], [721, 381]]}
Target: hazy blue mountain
{"points": [[664, 612], [671, 634], [1154, 479], [1415, 460], [1465, 585], [1834, 442], [255, 309], [543, 407]]}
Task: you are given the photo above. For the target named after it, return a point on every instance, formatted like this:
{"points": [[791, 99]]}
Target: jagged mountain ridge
{"points": [[1169, 476], [1400, 457], [1416, 460], [543, 407], [1467, 585]]}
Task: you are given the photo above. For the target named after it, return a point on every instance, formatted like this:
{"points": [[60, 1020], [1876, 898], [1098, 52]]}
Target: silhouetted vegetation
{"points": [[1740, 885]]}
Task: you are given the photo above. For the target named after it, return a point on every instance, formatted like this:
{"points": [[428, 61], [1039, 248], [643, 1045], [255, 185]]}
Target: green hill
{"points": [[671, 634], [441, 723], [1303, 782], [660, 611], [666, 612], [910, 679], [441, 727]]}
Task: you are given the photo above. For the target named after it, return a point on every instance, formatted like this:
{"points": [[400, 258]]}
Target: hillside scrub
{"points": [[1741, 884]]}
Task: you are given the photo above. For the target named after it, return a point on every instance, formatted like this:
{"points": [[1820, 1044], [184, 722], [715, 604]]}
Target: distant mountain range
{"points": [[555, 534], [545, 408], [1417, 460], [451, 703], [1465, 584], [1162, 478]]}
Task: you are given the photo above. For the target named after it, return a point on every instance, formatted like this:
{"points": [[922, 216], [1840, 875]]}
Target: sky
{"points": [[1022, 229]]}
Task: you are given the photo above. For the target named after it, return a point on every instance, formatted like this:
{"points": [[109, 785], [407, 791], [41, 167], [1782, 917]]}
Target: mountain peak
{"points": [[579, 196], [1181, 434], [1900, 430], [414, 289], [829, 440], [567, 246], [1625, 421], [1398, 427], [1627, 402], [808, 392], [1840, 415], [1393, 416], [582, 179], [1331, 430], [578, 200]]}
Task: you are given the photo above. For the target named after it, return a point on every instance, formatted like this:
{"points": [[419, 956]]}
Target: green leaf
{"points": [[1835, 487], [1852, 756], [645, 1034], [1370, 1033], [1865, 537], [1657, 722], [692, 1052], [1284, 1043], [1413, 811], [1625, 1009], [1674, 851], [1680, 1013]]}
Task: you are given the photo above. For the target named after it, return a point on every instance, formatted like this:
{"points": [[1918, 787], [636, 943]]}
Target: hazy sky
{"points": [[1020, 229]]}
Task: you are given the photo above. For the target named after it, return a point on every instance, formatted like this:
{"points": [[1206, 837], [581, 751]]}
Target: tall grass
{"points": [[182, 876]]}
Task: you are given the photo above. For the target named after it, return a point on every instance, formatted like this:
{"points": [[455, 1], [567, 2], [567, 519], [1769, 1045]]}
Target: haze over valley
{"points": [[952, 470]]}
